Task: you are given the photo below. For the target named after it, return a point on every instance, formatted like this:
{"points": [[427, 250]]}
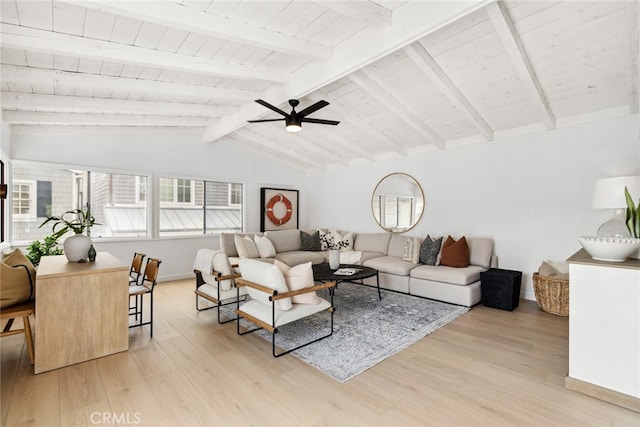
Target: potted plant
{"points": [[76, 247], [633, 219], [37, 249]]}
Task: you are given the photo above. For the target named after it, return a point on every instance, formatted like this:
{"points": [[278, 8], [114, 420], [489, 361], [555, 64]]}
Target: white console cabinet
{"points": [[604, 329]]}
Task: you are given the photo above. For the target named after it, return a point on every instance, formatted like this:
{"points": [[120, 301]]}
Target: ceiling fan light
{"points": [[293, 125]]}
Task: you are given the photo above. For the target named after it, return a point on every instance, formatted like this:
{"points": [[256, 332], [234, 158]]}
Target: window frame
{"points": [[32, 214]]}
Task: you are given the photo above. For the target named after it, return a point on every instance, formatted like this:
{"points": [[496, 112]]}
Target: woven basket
{"points": [[552, 294]]}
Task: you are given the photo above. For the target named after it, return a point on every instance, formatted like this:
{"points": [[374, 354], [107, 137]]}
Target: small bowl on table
{"points": [[612, 249]]}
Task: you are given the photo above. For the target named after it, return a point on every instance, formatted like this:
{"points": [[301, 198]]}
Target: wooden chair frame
{"points": [[152, 278], [20, 310], [218, 302], [136, 268], [273, 297]]}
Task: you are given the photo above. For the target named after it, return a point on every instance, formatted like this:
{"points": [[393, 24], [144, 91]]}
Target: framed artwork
{"points": [[279, 209]]}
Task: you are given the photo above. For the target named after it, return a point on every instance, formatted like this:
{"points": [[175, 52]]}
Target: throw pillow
{"points": [[268, 275], [299, 277], [415, 250], [221, 265], [310, 242], [15, 286], [455, 253], [252, 249], [323, 241], [242, 247], [429, 250], [265, 247], [547, 270], [347, 239]]}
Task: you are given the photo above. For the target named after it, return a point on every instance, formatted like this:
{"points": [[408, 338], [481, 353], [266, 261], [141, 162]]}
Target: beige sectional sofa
{"points": [[385, 252]]}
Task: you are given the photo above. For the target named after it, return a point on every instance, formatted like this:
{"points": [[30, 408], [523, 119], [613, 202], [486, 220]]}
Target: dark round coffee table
{"points": [[323, 273]]}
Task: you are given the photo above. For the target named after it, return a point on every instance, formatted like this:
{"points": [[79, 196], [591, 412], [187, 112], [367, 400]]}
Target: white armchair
{"points": [[215, 281], [273, 305]]}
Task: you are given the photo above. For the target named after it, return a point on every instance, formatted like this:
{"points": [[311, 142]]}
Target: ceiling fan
{"points": [[293, 121]]}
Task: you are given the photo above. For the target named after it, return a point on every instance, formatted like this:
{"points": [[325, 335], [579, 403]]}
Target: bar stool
{"points": [[20, 310], [147, 286]]}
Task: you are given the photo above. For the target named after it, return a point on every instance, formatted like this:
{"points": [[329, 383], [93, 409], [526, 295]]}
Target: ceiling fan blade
{"points": [[265, 120], [319, 121], [271, 107], [312, 108]]}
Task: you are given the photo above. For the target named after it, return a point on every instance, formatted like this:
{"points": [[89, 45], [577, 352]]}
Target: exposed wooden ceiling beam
{"points": [[33, 118], [275, 155], [509, 36], [291, 155], [368, 11], [193, 20], [17, 37], [419, 55], [399, 108], [37, 76], [367, 128], [22, 101], [92, 130], [411, 21]]}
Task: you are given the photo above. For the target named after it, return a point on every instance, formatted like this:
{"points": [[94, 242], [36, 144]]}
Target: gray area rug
{"points": [[366, 330]]}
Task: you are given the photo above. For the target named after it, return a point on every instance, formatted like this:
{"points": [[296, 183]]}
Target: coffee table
{"points": [[323, 273]]}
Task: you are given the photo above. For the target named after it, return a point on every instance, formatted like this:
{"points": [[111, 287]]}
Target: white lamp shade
{"points": [[609, 192]]}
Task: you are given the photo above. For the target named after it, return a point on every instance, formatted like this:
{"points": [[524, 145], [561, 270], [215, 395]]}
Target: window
{"points": [[114, 200], [22, 198], [235, 194], [199, 207], [176, 191]]}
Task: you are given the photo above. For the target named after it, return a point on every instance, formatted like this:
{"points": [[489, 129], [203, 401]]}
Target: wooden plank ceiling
{"points": [[401, 76]]}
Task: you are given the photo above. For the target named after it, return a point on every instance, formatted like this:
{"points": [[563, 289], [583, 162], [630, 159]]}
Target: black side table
{"points": [[500, 288]]}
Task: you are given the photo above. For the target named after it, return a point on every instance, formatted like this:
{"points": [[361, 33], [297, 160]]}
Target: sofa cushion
{"points": [[265, 247], [285, 240], [455, 253], [429, 250], [372, 242], [370, 255], [299, 277], [480, 250], [292, 258], [391, 265], [453, 275], [310, 242], [268, 275]]}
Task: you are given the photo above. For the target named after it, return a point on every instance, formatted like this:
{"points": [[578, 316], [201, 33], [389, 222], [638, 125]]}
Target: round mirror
{"points": [[397, 202]]}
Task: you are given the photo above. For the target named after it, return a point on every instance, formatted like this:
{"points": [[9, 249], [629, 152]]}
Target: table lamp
{"points": [[609, 194]]}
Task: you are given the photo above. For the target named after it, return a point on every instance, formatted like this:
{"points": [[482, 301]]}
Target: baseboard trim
{"points": [[602, 393]]}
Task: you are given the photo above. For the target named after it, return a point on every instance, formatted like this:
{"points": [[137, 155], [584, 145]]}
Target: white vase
{"points": [[334, 259], [76, 247]]}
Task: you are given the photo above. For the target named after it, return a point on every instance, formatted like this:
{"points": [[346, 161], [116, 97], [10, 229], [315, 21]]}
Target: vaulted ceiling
{"points": [[401, 76]]}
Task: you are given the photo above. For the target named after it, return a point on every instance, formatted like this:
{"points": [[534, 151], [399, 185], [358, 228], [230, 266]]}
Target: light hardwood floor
{"points": [[489, 367]]}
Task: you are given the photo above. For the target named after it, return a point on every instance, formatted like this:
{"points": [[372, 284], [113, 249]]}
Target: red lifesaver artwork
{"points": [[279, 198]]}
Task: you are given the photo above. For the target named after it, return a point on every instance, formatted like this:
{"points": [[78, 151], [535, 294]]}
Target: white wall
{"points": [[174, 154], [531, 194]]}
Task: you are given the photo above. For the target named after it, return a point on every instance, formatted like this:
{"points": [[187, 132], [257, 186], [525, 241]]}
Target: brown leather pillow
{"points": [[455, 253]]}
